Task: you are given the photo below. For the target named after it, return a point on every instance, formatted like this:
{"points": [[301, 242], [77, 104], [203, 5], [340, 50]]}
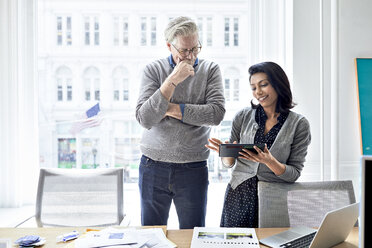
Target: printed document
{"points": [[205, 237]]}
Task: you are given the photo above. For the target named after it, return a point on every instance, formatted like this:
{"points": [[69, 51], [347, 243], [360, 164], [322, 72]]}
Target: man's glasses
{"points": [[186, 52]]}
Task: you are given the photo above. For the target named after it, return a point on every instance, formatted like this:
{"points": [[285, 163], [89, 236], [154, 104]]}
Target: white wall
{"points": [[354, 40]]}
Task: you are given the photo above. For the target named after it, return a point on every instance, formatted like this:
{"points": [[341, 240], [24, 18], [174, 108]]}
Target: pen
{"points": [[67, 236]]}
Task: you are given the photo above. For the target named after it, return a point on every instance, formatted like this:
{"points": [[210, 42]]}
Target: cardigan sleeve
{"points": [[296, 160]]}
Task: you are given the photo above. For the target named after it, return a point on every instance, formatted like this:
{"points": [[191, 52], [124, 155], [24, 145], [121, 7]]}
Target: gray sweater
{"points": [[167, 139], [289, 148]]}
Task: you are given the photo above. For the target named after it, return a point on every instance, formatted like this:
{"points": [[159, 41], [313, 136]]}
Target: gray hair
{"points": [[180, 26]]}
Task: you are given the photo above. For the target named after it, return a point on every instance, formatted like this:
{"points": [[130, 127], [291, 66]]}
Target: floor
{"points": [[10, 217]]}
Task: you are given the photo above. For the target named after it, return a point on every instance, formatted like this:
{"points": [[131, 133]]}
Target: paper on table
{"points": [[149, 238], [106, 237], [156, 238], [5, 243], [205, 237]]}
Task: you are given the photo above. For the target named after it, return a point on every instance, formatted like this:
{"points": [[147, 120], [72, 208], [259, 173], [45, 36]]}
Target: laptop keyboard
{"points": [[301, 242]]}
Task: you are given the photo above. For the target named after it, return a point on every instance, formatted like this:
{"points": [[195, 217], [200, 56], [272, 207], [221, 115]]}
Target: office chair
{"points": [[301, 203], [78, 197]]}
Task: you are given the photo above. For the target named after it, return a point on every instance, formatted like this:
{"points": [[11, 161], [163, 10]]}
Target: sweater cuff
{"points": [[182, 107]]}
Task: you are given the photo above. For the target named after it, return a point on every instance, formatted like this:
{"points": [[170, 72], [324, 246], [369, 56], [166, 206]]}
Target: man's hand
{"points": [[181, 71], [174, 111]]}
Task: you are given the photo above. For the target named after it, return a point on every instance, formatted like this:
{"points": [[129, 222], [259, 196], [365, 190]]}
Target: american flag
{"points": [[89, 119]]}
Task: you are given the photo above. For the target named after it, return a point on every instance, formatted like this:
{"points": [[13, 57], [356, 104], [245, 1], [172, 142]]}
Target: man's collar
{"points": [[172, 64]]}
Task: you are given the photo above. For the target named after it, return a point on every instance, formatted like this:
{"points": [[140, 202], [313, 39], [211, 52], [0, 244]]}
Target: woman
{"points": [[286, 136]]}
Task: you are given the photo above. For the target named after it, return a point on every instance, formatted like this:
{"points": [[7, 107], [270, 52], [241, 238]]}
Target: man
{"points": [[180, 97]]}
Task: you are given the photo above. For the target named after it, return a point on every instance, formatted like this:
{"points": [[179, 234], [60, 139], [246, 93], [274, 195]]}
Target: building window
{"points": [[153, 31], [90, 153], [66, 153], [200, 27], [64, 84], [64, 36], [209, 31], [147, 34], [227, 32], [231, 37], [120, 84], [205, 30], [91, 30], [236, 32], [227, 89], [92, 84], [143, 31], [121, 31], [232, 85]]}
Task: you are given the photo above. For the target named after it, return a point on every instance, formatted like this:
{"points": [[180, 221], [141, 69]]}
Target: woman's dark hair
{"points": [[279, 81]]}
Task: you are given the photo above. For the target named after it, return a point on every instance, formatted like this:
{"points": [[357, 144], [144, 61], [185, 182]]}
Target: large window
{"points": [[102, 50]]}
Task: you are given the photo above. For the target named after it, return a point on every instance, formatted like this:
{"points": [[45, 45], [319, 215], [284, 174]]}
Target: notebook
{"points": [[334, 229]]}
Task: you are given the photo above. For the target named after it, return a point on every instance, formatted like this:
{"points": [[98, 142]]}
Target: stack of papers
{"points": [[204, 237], [125, 238]]}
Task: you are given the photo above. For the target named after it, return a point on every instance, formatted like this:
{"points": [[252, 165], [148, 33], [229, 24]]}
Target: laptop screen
{"points": [[366, 171]]}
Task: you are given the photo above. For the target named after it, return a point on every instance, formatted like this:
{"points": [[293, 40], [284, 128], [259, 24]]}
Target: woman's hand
{"points": [[263, 157], [215, 146]]}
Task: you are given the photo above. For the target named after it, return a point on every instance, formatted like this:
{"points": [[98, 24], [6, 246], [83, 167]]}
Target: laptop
{"points": [[334, 229]]}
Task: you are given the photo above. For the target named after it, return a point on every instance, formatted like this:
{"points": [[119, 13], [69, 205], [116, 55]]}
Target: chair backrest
{"points": [[301, 203], [79, 197]]}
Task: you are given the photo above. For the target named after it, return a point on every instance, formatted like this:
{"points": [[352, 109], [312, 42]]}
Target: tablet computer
{"points": [[232, 150]]}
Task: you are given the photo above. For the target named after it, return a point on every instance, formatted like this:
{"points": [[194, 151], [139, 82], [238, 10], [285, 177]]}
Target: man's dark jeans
{"points": [[184, 183]]}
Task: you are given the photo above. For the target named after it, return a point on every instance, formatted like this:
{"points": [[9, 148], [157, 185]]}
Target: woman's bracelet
{"points": [[175, 85]]}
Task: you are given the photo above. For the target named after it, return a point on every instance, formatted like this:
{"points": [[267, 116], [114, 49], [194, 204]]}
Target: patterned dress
{"points": [[241, 205]]}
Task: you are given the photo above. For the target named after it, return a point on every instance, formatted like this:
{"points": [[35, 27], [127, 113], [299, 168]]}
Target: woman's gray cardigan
{"points": [[289, 148]]}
